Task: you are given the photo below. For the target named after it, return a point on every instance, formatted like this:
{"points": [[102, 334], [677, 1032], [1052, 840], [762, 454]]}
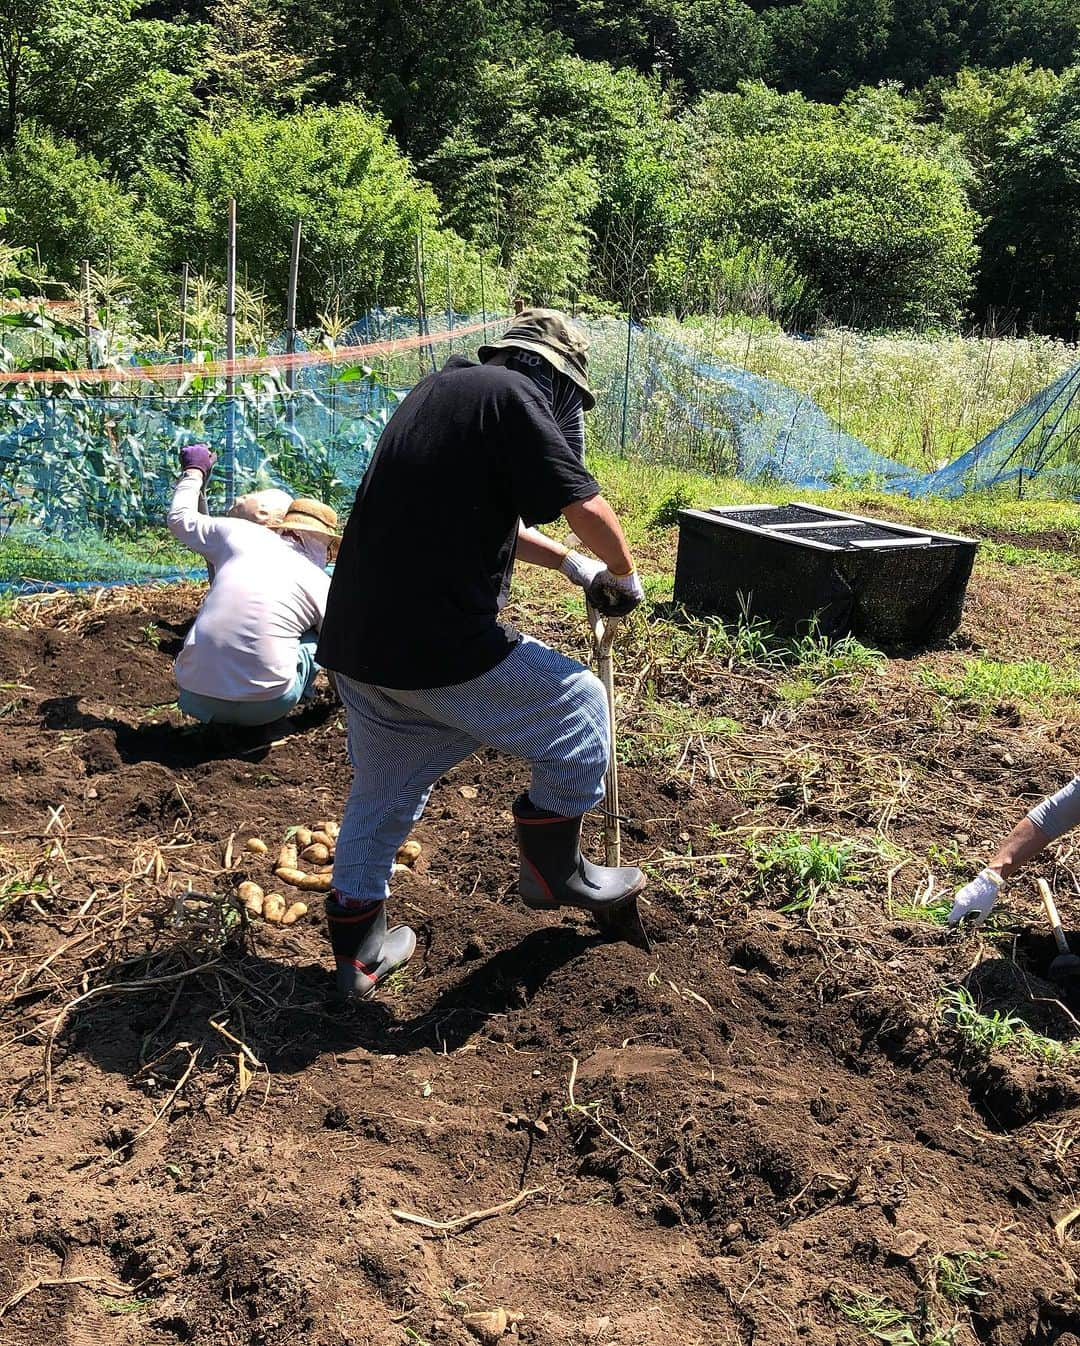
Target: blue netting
{"points": [[86, 471]]}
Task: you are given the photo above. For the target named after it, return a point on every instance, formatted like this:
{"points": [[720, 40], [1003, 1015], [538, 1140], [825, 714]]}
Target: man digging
{"points": [[474, 456]]}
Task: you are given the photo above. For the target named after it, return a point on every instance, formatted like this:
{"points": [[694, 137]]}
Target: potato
{"points": [[329, 827], [488, 1326], [318, 883], [302, 837], [316, 853], [256, 846], [287, 857], [409, 852], [274, 908], [321, 838], [252, 897], [294, 913]]}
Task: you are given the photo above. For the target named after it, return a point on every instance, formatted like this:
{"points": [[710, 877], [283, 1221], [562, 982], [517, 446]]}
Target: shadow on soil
{"points": [[184, 746], [115, 1034]]}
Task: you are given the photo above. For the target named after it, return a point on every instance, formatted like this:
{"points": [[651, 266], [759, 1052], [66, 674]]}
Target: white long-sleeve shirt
{"points": [[244, 643]]}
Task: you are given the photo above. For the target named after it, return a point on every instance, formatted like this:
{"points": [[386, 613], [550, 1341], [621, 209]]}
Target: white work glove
{"points": [[615, 595], [977, 898], [580, 569]]}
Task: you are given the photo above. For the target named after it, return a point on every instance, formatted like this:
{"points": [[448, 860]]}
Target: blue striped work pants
{"points": [[537, 704]]}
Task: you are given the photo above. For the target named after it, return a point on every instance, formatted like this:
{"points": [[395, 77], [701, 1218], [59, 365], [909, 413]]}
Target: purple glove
{"points": [[198, 455]]}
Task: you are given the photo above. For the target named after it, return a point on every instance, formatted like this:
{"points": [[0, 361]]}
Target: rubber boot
{"points": [[365, 951], [554, 873]]}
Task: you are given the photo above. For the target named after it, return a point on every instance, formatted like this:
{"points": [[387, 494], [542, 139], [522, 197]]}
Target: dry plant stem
{"points": [[576, 1107], [130, 1144], [115, 988], [41, 1283], [474, 1217]]}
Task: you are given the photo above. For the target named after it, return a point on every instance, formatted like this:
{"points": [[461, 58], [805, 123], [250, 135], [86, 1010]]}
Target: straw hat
{"points": [[309, 516], [546, 332], [264, 507]]}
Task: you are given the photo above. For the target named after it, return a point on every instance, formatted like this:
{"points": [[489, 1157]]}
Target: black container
{"points": [[794, 564]]}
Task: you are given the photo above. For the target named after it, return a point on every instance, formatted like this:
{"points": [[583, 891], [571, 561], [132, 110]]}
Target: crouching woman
{"points": [[250, 654]]}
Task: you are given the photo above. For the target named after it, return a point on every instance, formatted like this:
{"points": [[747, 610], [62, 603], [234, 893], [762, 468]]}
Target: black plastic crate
{"points": [[795, 564]]}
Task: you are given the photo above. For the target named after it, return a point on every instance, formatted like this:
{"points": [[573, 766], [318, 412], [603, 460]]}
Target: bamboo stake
{"points": [[290, 319], [230, 355]]}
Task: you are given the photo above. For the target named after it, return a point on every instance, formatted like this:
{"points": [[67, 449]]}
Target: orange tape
{"points": [[251, 364]]}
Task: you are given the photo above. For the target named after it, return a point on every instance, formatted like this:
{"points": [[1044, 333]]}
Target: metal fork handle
{"points": [[603, 631]]}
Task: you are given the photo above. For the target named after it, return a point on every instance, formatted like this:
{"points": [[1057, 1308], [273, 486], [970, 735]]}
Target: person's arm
{"points": [[595, 523], [201, 532], [537, 550], [1051, 818]]}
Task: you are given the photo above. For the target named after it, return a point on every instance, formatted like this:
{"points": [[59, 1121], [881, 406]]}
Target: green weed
{"points": [[151, 635], [20, 890], [885, 1322], [879, 1318], [958, 1276], [937, 913], [804, 866], [988, 682], [796, 690], [1001, 1028], [117, 1308]]}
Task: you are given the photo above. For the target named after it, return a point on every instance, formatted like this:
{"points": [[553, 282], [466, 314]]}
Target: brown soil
{"points": [[771, 1115]]}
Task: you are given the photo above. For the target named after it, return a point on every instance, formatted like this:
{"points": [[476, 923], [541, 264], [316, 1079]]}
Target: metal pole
{"points": [[290, 320], [185, 281], [84, 268], [230, 356]]}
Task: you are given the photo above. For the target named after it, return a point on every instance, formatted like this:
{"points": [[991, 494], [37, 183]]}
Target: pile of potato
{"points": [[314, 848]]}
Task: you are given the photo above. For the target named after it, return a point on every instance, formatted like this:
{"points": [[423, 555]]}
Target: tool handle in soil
{"points": [[1048, 902], [603, 630]]}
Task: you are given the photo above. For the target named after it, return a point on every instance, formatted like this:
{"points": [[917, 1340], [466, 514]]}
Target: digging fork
{"points": [[624, 923]]}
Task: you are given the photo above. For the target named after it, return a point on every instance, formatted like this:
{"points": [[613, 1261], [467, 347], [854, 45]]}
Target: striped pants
{"points": [[537, 704]]}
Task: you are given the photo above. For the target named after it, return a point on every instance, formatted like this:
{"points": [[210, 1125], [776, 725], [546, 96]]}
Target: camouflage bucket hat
{"points": [[546, 332]]}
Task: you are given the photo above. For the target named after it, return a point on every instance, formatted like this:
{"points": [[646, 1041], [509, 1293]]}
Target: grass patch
{"points": [[803, 867], [935, 913], [958, 1276], [988, 682], [999, 1029], [1006, 554], [118, 1308]]}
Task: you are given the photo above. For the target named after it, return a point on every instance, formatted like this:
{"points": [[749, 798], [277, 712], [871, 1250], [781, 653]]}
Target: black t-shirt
{"points": [[429, 545]]}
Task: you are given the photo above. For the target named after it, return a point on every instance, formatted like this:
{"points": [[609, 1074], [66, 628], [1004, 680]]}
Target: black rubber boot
{"points": [[554, 873], [365, 951]]}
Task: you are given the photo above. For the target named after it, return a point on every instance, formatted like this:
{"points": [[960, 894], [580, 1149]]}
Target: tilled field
{"points": [[766, 1132]]}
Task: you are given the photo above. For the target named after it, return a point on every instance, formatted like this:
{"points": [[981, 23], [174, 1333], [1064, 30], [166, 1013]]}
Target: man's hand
{"points": [[977, 898], [580, 569], [197, 456], [615, 595]]}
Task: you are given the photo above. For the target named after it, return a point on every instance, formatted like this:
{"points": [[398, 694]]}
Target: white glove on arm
{"points": [[580, 569], [615, 595], [977, 898]]}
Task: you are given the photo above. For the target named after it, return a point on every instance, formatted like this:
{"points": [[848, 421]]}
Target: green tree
{"points": [[1031, 244], [252, 62], [22, 23], [545, 156], [63, 203], [339, 170], [882, 236]]}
